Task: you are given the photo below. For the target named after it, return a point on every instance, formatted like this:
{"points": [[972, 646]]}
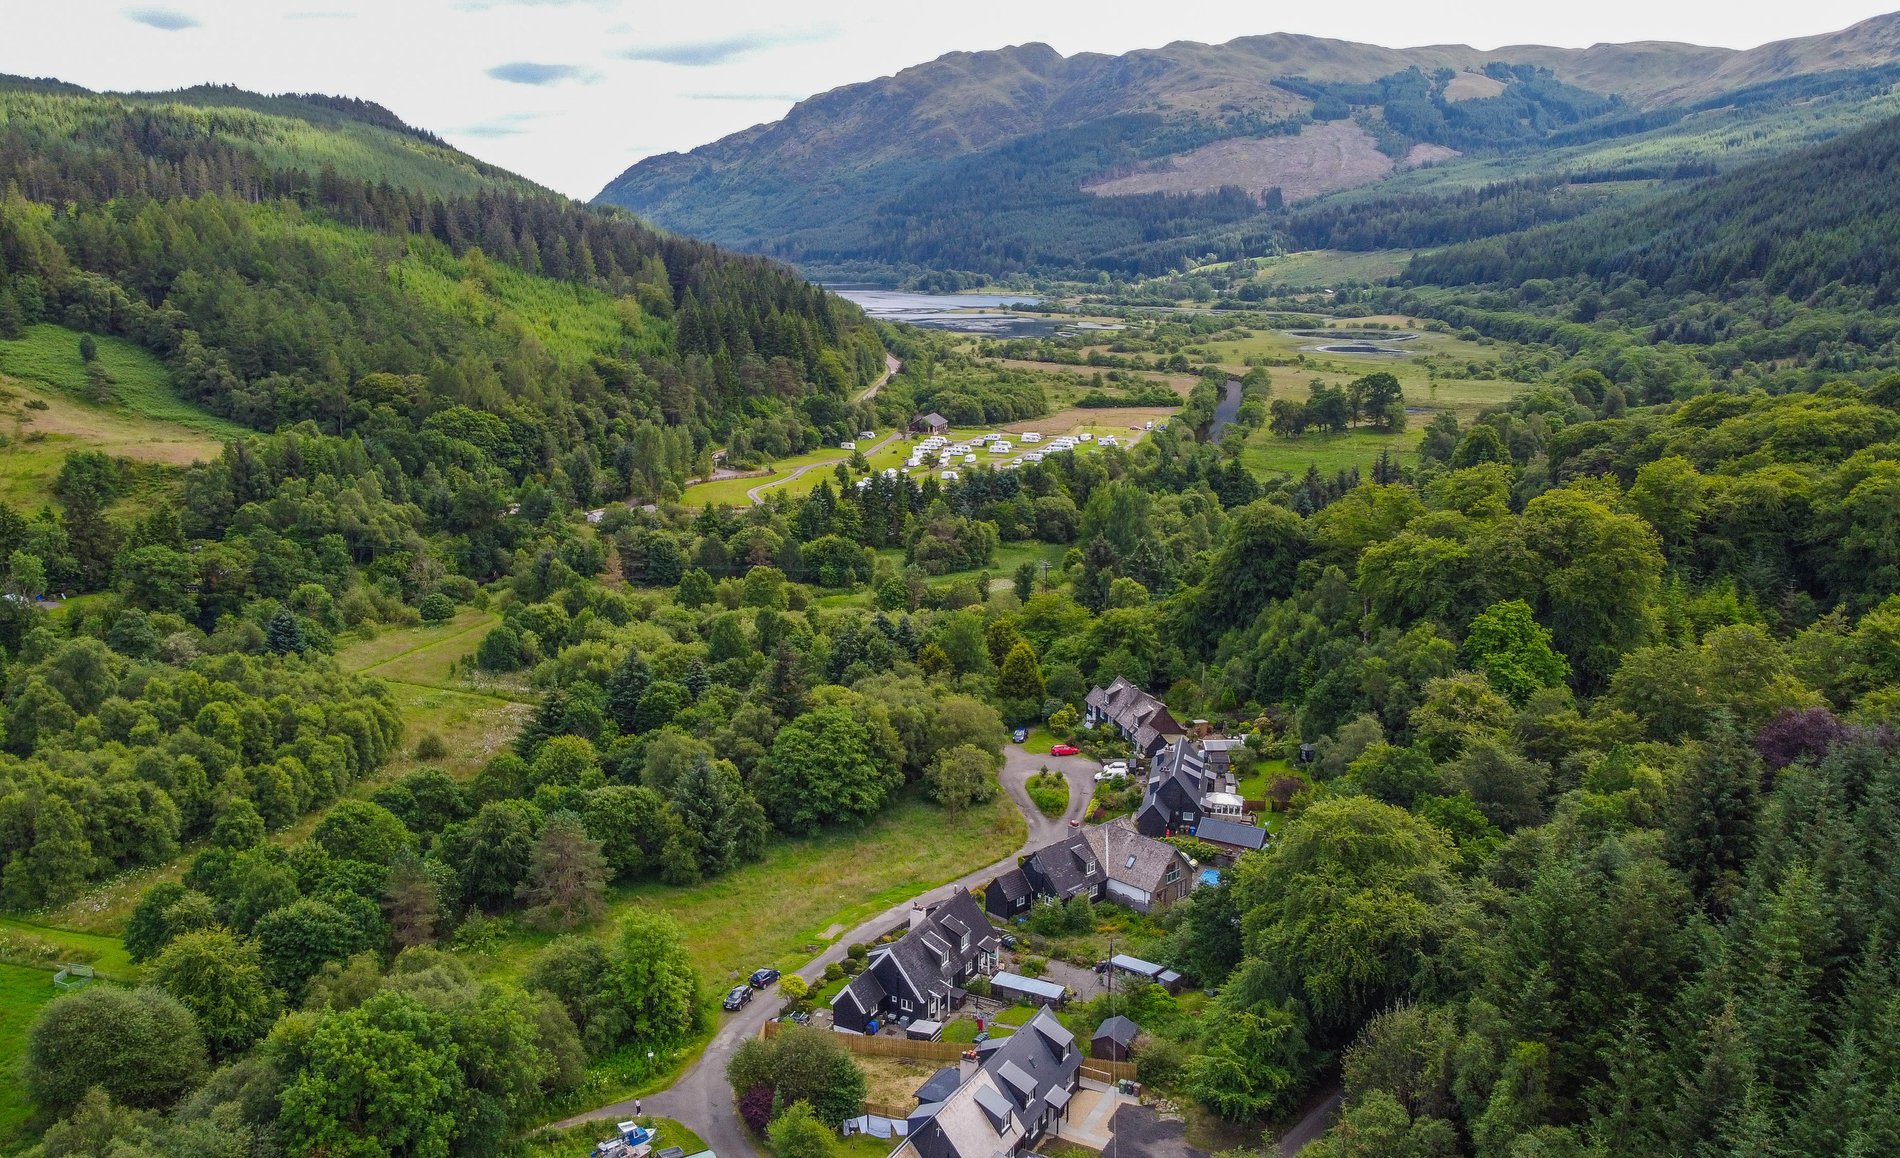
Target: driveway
{"points": [[701, 1098], [1139, 1130]]}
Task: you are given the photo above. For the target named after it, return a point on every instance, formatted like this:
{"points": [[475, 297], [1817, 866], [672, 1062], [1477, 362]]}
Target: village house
{"points": [[1016, 1093], [921, 974], [1185, 787], [1137, 717], [1104, 862]]}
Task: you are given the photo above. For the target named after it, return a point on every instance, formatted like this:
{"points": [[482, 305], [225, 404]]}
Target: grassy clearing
{"points": [[426, 656], [49, 355], [44, 946], [1332, 267], [22, 992], [776, 912], [579, 1141]]}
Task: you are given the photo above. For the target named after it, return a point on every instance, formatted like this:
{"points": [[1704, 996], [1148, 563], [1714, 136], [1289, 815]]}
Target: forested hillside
{"points": [[287, 273], [1785, 262]]}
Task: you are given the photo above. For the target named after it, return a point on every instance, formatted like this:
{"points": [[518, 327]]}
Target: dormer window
{"points": [[1089, 867]]}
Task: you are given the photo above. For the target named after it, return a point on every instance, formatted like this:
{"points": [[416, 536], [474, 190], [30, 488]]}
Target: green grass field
{"points": [[1331, 267], [49, 355], [22, 992], [777, 912]]}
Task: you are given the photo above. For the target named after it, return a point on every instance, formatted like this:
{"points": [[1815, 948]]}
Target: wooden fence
{"points": [[1107, 1072]]}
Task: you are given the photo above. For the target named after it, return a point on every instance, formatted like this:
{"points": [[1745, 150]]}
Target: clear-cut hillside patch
{"points": [[1322, 159]]}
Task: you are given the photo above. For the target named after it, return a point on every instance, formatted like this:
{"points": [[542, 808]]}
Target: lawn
{"points": [[784, 909], [427, 656], [47, 947], [22, 992]]}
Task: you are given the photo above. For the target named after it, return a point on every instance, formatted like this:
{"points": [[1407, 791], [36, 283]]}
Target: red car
{"points": [[1065, 750]]}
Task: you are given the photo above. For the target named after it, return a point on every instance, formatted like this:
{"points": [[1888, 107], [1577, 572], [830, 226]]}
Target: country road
{"points": [[702, 1100], [756, 493], [891, 366]]}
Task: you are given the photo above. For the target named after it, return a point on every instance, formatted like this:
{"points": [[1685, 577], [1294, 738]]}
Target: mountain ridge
{"points": [[793, 187]]}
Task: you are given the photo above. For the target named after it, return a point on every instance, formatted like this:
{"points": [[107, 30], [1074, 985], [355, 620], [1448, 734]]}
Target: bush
{"points": [[858, 952], [431, 747], [978, 986], [1050, 792], [141, 1045], [437, 608], [1033, 966], [834, 972]]}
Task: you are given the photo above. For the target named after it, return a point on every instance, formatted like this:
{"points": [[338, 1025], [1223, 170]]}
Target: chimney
{"points": [[916, 913], [966, 1067]]}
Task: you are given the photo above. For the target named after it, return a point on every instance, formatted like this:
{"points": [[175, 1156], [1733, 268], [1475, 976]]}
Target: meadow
{"points": [[23, 991]]}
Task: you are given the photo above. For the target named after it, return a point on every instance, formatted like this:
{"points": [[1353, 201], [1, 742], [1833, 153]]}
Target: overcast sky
{"points": [[570, 92]]}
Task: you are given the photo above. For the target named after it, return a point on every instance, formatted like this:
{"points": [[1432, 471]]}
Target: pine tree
{"points": [[11, 326], [283, 634], [1711, 830], [567, 875], [410, 902], [624, 689]]}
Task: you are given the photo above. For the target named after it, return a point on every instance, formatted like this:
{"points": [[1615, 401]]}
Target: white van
{"points": [[1085, 436], [949, 476], [867, 434], [1032, 436], [847, 446]]}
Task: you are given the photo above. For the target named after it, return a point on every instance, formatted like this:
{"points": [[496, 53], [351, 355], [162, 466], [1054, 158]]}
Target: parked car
{"points": [[762, 978], [1009, 940], [1065, 750], [1019, 735], [740, 995], [1113, 770]]}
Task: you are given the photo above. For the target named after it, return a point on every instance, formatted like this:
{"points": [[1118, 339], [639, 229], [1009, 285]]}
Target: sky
{"points": [[571, 92]]}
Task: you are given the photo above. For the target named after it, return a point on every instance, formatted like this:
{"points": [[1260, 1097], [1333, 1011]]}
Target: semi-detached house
{"points": [[922, 973]]}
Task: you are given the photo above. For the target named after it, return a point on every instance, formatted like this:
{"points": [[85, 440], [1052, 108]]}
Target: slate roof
{"points": [[1013, 884], [930, 958], [1118, 1029], [1069, 866], [1018, 1078], [1231, 833], [941, 1085], [1116, 846], [1142, 718]]}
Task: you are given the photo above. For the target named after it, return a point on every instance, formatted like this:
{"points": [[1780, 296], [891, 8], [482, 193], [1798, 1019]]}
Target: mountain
{"points": [[307, 258], [1024, 160], [1789, 261]]}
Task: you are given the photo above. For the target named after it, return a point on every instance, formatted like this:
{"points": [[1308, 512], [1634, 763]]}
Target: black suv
{"points": [[738, 997], [762, 978]]}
